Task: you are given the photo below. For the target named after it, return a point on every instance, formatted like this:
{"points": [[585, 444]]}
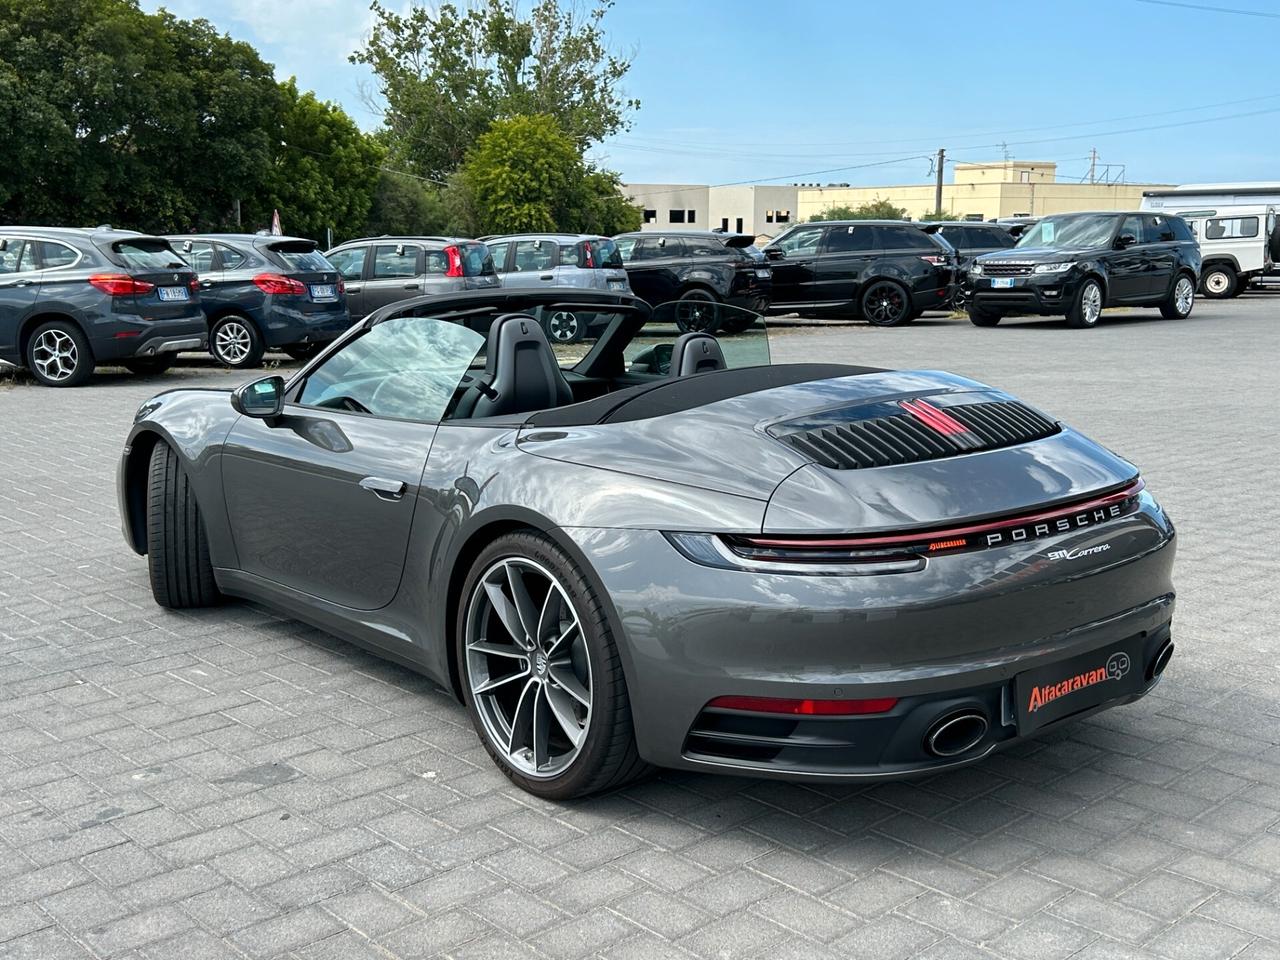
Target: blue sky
{"points": [[788, 90]]}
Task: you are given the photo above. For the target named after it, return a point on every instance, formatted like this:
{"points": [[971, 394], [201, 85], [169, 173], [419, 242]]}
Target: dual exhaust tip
{"points": [[960, 732]]}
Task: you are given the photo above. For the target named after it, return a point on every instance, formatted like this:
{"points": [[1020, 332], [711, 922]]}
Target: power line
{"points": [[1210, 9]]}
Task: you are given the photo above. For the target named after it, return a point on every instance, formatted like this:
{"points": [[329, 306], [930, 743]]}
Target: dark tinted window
{"points": [[395, 261], [799, 243], [658, 248], [605, 253], [349, 262], [1132, 226], [705, 247], [51, 255], [147, 255], [232, 259], [857, 239], [11, 257], [904, 237], [1181, 230], [476, 260], [200, 256], [1157, 230], [301, 256]]}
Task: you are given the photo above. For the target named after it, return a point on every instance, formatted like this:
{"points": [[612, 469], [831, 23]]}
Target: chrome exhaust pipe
{"points": [[956, 734], [1160, 660]]}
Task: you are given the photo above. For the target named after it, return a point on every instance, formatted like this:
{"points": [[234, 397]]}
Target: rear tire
{"points": [[235, 342], [1219, 282], [564, 326], [698, 310], [886, 303], [1180, 300], [149, 366], [982, 318], [177, 549], [606, 756], [58, 354], [1086, 308]]}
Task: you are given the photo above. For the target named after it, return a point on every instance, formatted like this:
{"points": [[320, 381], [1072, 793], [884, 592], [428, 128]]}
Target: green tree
{"points": [[874, 210], [445, 74], [938, 217], [325, 173], [404, 205]]}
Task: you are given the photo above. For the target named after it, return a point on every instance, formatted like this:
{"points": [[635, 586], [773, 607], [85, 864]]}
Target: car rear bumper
{"points": [[1045, 294], [121, 336], [963, 636], [285, 326]]}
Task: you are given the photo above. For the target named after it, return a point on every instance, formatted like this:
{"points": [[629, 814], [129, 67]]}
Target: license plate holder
{"points": [[173, 294], [324, 291], [1045, 694], [617, 284], [1002, 283]]}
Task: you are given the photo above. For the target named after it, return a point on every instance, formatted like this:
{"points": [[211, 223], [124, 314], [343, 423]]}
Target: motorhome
{"points": [[1236, 226]]}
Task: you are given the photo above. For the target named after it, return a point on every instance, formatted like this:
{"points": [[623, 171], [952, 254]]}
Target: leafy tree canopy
{"points": [[875, 210]]}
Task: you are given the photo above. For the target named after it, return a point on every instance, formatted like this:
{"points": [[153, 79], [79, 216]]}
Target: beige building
{"points": [[985, 191], [748, 208]]}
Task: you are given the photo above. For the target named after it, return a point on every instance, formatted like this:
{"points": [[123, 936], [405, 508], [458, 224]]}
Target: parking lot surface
{"points": [[228, 783]]}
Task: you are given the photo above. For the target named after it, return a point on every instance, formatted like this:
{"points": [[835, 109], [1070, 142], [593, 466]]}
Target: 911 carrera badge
{"points": [[1116, 668], [1076, 554]]}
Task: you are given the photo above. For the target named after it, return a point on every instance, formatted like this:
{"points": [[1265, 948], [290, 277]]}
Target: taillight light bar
{"points": [[805, 708], [454, 257], [120, 284], [275, 283]]}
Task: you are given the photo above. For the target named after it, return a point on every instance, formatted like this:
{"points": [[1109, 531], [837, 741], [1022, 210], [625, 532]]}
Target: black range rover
{"points": [[1073, 265]]}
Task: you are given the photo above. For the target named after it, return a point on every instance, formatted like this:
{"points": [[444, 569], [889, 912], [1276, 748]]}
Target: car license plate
{"points": [[617, 284], [1069, 686], [324, 291], [998, 282], [173, 293]]}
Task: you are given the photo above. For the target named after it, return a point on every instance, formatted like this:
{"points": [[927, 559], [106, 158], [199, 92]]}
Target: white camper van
{"points": [[1236, 226]]}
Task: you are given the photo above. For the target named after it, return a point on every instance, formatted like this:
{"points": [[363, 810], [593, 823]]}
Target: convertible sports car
{"points": [[661, 550]]}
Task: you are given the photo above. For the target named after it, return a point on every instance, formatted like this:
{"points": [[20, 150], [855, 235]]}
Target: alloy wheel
{"points": [[697, 311], [884, 304], [1091, 303], [232, 342], [55, 356], [527, 667], [1183, 296], [564, 326]]}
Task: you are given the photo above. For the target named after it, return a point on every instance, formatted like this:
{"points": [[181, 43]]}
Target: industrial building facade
{"points": [[980, 191]]}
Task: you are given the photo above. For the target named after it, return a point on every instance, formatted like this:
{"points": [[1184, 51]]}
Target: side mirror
{"points": [[775, 253], [1125, 240], [656, 359], [262, 399]]}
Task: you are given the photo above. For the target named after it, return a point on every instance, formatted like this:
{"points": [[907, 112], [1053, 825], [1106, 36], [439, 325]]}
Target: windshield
{"points": [[1093, 230], [148, 255], [740, 334]]}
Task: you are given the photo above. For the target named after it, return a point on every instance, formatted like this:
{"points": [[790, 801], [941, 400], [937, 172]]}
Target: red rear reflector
{"points": [[120, 284], [125, 334], [806, 708], [931, 416], [274, 283], [948, 544], [342, 286], [454, 269]]}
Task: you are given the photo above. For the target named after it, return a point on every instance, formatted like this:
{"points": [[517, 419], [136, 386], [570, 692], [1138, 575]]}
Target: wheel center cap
{"points": [[540, 664]]}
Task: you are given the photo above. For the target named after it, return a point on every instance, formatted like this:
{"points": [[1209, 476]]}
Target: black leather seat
{"points": [[696, 353], [520, 371]]}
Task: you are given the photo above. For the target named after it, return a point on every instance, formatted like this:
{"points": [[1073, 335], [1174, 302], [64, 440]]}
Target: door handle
{"points": [[351, 289], [411, 286], [206, 284], [383, 488], [18, 283], [547, 276]]}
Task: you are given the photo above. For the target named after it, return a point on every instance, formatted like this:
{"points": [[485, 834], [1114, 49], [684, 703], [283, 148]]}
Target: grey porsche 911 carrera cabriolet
{"points": [[659, 549]]}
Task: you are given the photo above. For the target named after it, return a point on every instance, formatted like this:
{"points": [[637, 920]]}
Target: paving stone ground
{"points": [[229, 783]]}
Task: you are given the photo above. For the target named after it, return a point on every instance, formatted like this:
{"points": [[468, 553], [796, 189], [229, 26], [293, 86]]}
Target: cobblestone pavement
{"points": [[228, 783]]}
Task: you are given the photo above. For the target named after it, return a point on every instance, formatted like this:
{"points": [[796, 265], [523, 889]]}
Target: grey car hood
{"points": [[723, 446]]}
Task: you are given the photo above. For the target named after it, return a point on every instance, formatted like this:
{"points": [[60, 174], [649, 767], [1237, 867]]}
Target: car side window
{"points": [[800, 243], [1157, 229], [11, 257], [705, 248], [535, 255], [51, 255], [499, 252], [1133, 226], [349, 262], [407, 369], [231, 258], [200, 256], [905, 238], [395, 261], [626, 247], [855, 239]]}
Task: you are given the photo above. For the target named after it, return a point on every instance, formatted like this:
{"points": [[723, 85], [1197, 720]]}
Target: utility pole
{"points": [[937, 191], [236, 204], [1093, 163]]}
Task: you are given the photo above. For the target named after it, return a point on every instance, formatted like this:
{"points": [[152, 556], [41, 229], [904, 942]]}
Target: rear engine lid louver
{"points": [[886, 433]]}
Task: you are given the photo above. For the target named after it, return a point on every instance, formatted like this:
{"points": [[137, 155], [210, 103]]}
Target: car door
{"points": [[203, 257], [1127, 277], [658, 264], [843, 258], [533, 263], [395, 274], [1161, 253], [794, 271], [19, 288], [349, 262], [321, 499]]}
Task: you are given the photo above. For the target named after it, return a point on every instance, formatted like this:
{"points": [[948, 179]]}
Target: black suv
{"points": [[697, 266], [70, 299], [970, 239], [1075, 264], [887, 272]]}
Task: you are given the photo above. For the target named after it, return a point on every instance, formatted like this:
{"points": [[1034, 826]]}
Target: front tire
{"points": [[886, 304], [58, 354], [235, 342], [1219, 282], [982, 318], [1086, 308], [1181, 299], [178, 561], [540, 670]]}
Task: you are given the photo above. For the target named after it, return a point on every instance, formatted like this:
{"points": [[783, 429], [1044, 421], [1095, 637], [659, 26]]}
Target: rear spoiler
{"points": [[739, 240]]}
